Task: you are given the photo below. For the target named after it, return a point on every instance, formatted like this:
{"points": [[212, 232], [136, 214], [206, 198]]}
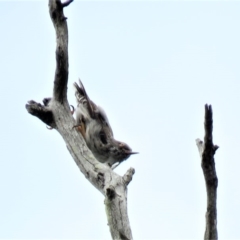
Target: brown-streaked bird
{"points": [[95, 128]]}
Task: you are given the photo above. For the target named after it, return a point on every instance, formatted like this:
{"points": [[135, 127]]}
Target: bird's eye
{"points": [[103, 137], [83, 120]]}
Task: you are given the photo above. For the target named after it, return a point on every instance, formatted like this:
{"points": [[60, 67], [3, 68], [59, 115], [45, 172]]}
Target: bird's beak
{"points": [[130, 153]]}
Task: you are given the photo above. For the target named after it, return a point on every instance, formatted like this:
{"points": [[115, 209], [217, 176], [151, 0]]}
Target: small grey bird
{"points": [[95, 128]]}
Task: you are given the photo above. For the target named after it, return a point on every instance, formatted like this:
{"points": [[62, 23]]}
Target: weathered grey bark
{"points": [[207, 150], [56, 113]]}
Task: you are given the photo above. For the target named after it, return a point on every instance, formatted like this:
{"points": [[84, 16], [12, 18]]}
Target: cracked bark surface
{"points": [[55, 112], [207, 150]]}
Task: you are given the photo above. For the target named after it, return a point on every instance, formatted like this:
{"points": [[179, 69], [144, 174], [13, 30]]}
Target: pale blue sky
{"points": [[152, 66]]}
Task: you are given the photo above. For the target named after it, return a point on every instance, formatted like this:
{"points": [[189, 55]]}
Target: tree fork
{"points": [[207, 150], [56, 113]]}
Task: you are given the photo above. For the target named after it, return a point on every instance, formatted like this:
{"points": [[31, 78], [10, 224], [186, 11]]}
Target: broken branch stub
{"points": [[207, 150]]}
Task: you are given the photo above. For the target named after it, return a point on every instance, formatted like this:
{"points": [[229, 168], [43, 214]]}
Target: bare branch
{"points": [[61, 74], [128, 176], [116, 206], [200, 146], [207, 150], [43, 113], [65, 4]]}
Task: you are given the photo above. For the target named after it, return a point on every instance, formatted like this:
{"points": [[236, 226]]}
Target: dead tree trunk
{"points": [[56, 113], [207, 150]]}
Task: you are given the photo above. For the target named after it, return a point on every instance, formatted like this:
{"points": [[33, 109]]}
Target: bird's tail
{"points": [[82, 98], [79, 93]]}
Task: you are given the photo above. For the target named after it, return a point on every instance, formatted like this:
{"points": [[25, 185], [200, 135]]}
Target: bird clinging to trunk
{"points": [[95, 128]]}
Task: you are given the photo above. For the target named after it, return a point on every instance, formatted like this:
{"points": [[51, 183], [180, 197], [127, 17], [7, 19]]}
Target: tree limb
{"points": [[56, 113], [60, 25], [65, 4], [128, 176], [207, 150], [40, 111]]}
